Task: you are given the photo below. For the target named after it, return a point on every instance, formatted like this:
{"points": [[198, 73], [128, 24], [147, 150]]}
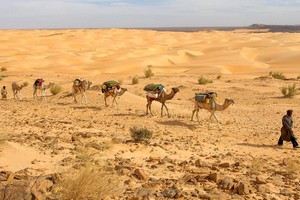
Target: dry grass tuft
{"points": [[293, 167], [3, 137], [203, 81], [257, 165], [25, 83], [277, 75], [148, 72], [135, 80], [289, 91], [89, 183], [140, 134], [85, 154], [55, 89], [3, 69]]}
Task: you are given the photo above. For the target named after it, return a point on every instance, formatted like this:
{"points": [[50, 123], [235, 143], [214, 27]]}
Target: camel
{"points": [[79, 87], [42, 88], [114, 93], [16, 88], [162, 98], [212, 107]]}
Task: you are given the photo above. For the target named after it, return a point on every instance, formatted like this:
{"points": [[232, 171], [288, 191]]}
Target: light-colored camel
{"points": [[114, 93], [212, 107], [42, 88], [16, 88], [79, 87], [162, 98]]}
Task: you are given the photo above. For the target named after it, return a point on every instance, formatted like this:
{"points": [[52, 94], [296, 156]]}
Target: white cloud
{"points": [[134, 13]]}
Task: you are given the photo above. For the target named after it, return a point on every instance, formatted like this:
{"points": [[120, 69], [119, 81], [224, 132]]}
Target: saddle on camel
{"points": [[153, 90], [38, 82], [205, 97], [110, 85]]}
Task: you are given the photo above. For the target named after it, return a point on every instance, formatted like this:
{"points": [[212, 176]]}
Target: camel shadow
{"points": [[95, 108], [126, 114], [262, 146], [177, 123], [65, 104]]}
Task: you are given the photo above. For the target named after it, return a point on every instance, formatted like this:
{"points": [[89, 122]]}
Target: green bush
{"points": [[278, 75], [55, 89], [140, 134], [289, 91], [148, 72], [203, 81], [219, 76], [135, 80]]}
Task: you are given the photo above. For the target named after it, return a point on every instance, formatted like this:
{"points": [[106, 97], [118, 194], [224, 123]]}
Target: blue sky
{"points": [[39, 14]]}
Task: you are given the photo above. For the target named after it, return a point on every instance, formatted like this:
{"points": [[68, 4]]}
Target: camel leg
{"points": [[167, 110], [193, 114], [217, 122], [197, 115], [74, 95], [84, 98], [209, 120], [161, 110], [150, 103], [105, 97]]}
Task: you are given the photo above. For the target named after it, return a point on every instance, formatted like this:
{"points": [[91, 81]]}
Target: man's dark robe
{"points": [[286, 130]]}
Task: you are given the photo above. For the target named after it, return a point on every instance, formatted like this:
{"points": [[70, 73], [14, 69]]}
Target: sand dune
{"points": [[104, 51]]}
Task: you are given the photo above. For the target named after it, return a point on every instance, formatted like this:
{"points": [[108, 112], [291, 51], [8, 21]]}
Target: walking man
{"points": [[287, 133]]}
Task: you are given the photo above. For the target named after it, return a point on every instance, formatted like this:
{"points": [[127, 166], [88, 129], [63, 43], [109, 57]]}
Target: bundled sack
{"points": [[152, 87]]}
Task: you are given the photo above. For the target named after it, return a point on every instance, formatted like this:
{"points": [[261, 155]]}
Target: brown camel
{"points": [[162, 98], [114, 93], [42, 88], [212, 107], [16, 88], [79, 87]]}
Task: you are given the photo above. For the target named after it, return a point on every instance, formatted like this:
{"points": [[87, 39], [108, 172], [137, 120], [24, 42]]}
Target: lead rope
{"points": [[245, 114]]}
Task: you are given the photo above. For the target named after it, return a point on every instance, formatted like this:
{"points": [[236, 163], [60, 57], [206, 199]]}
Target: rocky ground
{"points": [[56, 149]]}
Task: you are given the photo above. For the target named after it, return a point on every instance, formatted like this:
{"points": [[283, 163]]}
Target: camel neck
{"points": [[222, 107], [170, 96]]}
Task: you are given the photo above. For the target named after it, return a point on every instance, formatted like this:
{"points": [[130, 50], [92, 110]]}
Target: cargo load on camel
{"points": [[153, 90], [38, 82], [109, 85], [205, 97]]}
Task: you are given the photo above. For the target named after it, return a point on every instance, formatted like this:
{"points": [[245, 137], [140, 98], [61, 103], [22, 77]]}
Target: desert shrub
{"points": [[203, 81], [289, 91], [219, 76], [140, 134], [298, 77], [148, 72], [257, 165], [14, 110], [55, 89], [3, 137], [3, 69], [293, 166], [85, 154], [25, 83], [270, 73], [135, 80], [278, 75], [89, 183]]}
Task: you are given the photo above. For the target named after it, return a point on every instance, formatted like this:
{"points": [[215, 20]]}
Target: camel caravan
{"points": [[111, 88]]}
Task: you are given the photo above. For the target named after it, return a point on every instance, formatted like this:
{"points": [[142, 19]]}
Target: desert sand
{"points": [[47, 141]]}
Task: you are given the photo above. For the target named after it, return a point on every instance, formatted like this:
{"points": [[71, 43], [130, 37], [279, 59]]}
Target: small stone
{"points": [[141, 174], [242, 188], [214, 177], [260, 180], [224, 165]]}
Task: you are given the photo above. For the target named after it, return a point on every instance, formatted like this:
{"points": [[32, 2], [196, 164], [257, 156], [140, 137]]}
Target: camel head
{"points": [[229, 101], [175, 90]]}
